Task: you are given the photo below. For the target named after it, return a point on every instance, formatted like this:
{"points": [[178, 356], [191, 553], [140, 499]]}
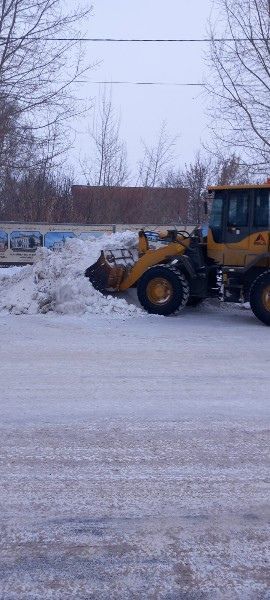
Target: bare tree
{"points": [[157, 159], [196, 179], [36, 67], [108, 164], [20, 148], [240, 87], [229, 170], [37, 196], [17, 144], [204, 171]]}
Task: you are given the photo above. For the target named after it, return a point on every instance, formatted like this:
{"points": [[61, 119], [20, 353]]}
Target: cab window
{"points": [[215, 221], [238, 208], [262, 209], [216, 217]]}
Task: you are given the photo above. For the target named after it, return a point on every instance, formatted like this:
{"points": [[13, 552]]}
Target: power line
{"points": [[134, 40], [139, 83], [118, 82], [142, 83]]}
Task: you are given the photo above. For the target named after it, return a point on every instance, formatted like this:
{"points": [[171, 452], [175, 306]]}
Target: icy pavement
{"points": [[135, 457]]}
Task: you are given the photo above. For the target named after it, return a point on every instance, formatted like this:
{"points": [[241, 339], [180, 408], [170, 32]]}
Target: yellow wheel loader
{"points": [[177, 268]]}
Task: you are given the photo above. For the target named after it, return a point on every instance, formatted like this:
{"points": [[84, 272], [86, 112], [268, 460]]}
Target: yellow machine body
{"points": [[119, 273], [242, 253], [231, 262], [241, 242], [149, 257]]}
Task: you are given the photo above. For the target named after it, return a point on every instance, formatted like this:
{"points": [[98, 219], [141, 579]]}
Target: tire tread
{"points": [[184, 285], [255, 298]]}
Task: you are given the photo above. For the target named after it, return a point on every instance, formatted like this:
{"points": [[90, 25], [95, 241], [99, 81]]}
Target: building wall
{"points": [[129, 205]]}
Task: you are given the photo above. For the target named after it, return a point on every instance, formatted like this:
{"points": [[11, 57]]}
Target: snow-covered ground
{"points": [[134, 454], [134, 449]]}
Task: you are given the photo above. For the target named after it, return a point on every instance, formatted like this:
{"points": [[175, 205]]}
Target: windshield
{"points": [[262, 209]]}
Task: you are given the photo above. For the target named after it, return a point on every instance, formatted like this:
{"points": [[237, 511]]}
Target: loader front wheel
{"points": [[260, 297], [163, 290]]}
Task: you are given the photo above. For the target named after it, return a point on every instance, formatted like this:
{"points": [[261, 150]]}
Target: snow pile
{"points": [[56, 282]]}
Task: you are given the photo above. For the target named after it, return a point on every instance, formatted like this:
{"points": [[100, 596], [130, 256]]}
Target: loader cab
{"points": [[239, 224]]}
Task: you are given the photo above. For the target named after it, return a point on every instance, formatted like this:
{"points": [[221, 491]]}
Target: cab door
{"points": [[260, 226], [237, 226]]}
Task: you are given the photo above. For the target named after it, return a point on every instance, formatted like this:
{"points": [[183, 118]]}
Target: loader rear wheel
{"points": [[163, 290], [260, 297]]}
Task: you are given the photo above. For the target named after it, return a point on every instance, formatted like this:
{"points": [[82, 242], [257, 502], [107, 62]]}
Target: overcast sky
{"points": [[144, 108]]}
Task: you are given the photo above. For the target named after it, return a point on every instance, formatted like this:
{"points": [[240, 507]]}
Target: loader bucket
{"points": [[109, 270]]}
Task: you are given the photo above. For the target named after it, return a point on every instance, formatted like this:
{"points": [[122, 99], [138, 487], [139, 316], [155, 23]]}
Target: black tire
{"points": [[260, 297], [194, 301], [177, 285]]}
